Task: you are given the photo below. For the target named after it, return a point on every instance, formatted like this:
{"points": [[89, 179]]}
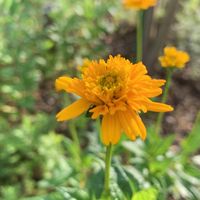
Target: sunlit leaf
{"points": [[150, 194]]}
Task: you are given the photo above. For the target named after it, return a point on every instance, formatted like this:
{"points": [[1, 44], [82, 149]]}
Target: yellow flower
{"points": [[117, 91], [139, 4], [173, 58]]}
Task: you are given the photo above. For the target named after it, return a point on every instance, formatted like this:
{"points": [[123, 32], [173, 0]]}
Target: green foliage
{"points": [[25, 159], [155, 164], [191, 144], [150, 194], [41, 159], [40, 37]]}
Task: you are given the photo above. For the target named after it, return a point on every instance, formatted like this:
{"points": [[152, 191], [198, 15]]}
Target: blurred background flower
{"points": [[173, 58], [139, 4]]}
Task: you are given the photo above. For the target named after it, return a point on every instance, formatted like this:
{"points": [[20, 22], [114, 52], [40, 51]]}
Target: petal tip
{"points": [[143, 137], [58, 118], [170, 108]]}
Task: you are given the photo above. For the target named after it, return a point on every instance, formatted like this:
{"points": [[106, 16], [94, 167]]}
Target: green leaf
{"points": [[95, 183], [192, 170], [150, 194], [160, 166], [123, 180], [51, 196], [73, 193], [158, 145], [191, 143]]}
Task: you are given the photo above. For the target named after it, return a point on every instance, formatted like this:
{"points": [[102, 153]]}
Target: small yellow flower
{"points": [[117, 91], [173, 58], [139, 4]]}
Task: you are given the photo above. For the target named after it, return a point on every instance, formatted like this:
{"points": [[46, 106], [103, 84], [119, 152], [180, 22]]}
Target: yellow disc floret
{"points": [[109, 81]]}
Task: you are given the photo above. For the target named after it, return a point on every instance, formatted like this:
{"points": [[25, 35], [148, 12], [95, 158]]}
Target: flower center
{"points": [[109, 81]]}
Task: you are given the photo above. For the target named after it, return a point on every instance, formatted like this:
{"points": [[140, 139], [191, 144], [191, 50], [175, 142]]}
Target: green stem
{"points": [[106, 192], [75, 138], [139, 35], [163, 100]]}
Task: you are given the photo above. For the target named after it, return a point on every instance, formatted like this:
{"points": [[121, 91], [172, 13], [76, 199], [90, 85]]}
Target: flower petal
{"points": [[158, 107], [151, 92], [73, 110], [99, 110], [105, 130], [140, 125], [117, 129], [72, 85], [128, 125], [110, 129], [158, 82]]}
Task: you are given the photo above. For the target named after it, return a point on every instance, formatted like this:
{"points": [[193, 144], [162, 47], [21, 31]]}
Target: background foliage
{"points": [[38, 159]]}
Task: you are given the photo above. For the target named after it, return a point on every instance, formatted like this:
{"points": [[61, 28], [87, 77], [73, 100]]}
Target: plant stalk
{"points": [[163, 100], [139, 35], [75, 139], [106, 192]]}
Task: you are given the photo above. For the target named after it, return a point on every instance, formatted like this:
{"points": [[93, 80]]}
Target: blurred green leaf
{"points": [[190, 144], [150, 194]]}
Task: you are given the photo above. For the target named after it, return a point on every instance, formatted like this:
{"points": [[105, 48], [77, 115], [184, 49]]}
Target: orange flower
{"points": [[173, 58], [117, 91], [139, 4]]}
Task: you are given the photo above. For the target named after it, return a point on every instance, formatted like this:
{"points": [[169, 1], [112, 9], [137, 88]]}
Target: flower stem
{"points": [[163, 100], [106, 192], [139, 35]]}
